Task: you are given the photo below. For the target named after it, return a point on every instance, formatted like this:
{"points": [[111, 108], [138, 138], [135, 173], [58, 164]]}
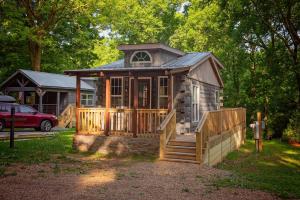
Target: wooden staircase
{"points": [[67, 117], [180, 151]]}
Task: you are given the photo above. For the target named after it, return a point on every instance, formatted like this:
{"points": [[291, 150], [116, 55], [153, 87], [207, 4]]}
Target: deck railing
{"points": [[216, 123], [92, 120]]}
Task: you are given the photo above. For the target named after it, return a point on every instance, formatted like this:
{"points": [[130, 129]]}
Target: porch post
{"points": [[107, 105], [170, 92], [40, 93], [135, 106], [57, 103], [77, 101]]}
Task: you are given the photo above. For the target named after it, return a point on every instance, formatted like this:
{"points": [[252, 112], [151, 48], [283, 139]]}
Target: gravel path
{"points": [[113, 179]]}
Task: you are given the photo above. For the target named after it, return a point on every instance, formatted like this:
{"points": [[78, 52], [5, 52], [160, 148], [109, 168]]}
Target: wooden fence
{"points": [[92, 120], [215, 128]]}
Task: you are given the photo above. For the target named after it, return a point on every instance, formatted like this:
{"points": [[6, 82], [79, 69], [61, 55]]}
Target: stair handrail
{"points": [[167, 131], [66, 116]]}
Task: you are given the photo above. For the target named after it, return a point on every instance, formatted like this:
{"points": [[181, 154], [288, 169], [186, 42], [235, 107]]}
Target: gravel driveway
{"points": [[115, 179]]}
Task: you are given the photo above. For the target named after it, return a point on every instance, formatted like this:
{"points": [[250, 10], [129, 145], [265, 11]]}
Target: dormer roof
{"points": [[149, 46]]}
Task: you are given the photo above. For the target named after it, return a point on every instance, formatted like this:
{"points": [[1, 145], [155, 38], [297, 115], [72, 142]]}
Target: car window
{"points": [[26, 109], [5, 108]]}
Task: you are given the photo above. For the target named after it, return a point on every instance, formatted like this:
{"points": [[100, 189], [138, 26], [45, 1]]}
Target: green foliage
{"points": [[276, 169]]}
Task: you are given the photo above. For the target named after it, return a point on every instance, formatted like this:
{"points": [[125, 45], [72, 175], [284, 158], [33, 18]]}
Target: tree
{"points": [[46, 24]]}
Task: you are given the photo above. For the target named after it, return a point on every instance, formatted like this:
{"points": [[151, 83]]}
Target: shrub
{"points": [[292, 132]]}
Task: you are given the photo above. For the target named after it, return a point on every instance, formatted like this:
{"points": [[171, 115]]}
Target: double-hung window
{"points": [[195, 103], [163, 92], [87, 99], [116, 92]]}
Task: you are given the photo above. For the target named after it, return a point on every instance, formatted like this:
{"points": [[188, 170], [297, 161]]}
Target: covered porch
{"points": [[132, 103]]}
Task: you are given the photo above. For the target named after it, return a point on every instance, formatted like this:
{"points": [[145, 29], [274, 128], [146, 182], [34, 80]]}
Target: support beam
{"points": [[57, 103], [135, 106], [107, 105], [77, 102], [170, 93], [40, 93]]}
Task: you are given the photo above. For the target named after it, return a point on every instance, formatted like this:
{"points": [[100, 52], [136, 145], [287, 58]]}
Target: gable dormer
{"points": [[148, 55]]}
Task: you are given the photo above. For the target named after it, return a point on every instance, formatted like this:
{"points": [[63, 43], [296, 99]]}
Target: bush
{"points": [[290, 135], [292, 132]]}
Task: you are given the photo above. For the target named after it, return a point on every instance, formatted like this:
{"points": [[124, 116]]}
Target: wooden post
{"points": [[12, 128], [40, 93], [170, 91], [199, 155], [107, 105], [77, 102], [57, 103], [260, 145], [135, 106]]}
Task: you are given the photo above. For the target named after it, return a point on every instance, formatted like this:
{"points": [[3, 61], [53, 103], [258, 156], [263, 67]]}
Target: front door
{"points": [[144, 93]]}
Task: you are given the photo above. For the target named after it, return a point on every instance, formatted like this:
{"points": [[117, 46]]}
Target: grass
{"points": [[36, 150], [276, 169]]}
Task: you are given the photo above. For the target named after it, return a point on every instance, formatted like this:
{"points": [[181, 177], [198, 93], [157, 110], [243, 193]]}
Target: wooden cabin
{"points": [[155, 90], [47, 92]]}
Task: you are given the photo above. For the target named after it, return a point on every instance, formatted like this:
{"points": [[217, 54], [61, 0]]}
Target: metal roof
{"points": [[51, 80], [188, 60]]}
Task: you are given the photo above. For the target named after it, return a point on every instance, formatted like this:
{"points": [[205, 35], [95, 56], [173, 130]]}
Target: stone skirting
{"points": [[118, 145]]}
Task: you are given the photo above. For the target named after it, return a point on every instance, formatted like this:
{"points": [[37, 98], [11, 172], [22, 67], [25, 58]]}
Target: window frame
{"points": [[158, 90], [122, 90], [86, 99], [140, 62], [195, 109]]}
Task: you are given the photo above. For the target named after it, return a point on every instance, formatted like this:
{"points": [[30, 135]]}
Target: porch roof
{"points": [[50, 80], [183, 62]]}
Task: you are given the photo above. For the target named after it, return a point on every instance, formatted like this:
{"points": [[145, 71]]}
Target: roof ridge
{"points": [[42, 72]]}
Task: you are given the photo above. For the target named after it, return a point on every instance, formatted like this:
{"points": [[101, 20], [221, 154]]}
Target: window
{"points": [[163, 92], [141, 57], [217, 96], [26, 109], [87, 99], [195, 103], [116, 92]]}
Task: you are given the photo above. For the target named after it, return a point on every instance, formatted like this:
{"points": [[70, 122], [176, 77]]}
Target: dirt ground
{"points": [[116, 179]]}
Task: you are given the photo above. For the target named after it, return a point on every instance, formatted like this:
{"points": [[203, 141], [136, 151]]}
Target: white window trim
{"points": [[140, 62], [140, 78], [197, 102], [86, 100], [122, 88], [158, 85]]}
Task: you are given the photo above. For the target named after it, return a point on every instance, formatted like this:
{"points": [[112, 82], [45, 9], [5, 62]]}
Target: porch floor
{"points": [[187, 137]]}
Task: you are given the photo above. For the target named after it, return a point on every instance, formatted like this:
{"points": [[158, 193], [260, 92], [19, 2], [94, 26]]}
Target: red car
{"points": [[26, 117]]}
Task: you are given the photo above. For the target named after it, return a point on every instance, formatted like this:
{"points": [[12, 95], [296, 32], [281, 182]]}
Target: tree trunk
{"points": [[35, 50]]}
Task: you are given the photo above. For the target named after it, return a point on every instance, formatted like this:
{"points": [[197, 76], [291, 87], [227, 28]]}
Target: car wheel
{"points": [[2, 125], [46, 126]]}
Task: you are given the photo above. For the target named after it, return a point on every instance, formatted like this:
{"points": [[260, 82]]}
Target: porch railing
{"points": [[92, 120]]}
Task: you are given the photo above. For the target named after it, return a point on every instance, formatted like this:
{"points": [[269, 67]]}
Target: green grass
{"points": [[36, 150], [276, 169]]}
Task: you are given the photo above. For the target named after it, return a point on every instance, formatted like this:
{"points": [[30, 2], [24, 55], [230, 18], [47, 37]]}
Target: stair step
{"points": [[179, 155], [182, 143], [170, 148], [180, 160]]}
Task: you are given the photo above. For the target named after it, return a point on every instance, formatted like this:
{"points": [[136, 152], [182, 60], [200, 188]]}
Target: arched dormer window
{"points": [[141, 57]]}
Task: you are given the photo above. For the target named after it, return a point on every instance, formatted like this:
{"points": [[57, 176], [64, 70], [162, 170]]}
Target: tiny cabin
{"points": [[158, 99]]}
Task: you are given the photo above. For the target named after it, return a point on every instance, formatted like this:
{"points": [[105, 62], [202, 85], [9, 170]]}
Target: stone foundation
{"points": [[118, 145]]}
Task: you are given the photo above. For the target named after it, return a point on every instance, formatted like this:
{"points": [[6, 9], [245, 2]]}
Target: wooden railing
{"points": [[167, 131], [92, 120], [66, 117], [215, 123]]}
